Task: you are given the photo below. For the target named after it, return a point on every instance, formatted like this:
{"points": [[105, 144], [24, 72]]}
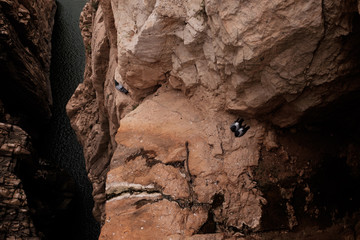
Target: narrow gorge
{"points": [[44, 189], [162, 83]]}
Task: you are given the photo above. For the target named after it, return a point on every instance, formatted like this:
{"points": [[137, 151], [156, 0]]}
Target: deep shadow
{"points": [[58, 141], [210, 226], [336, 190], [319, 165]]}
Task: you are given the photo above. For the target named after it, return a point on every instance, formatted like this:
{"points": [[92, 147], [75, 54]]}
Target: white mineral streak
{"points": [[136, 195], [119, 187]]}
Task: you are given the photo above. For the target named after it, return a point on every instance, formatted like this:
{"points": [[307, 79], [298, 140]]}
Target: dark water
{"points": [[62, 147]]}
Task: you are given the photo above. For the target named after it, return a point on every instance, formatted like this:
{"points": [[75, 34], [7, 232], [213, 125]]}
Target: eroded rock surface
{"points": [[15, 219], [47, 209], [25, 52], [166, 152], [163, 159]]}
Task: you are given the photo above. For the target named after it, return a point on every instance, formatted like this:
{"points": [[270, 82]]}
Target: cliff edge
{"points": [[162, 159]]}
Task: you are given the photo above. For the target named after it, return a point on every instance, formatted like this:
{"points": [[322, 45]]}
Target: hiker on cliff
{"points": [[238, 128], [120, 87]]}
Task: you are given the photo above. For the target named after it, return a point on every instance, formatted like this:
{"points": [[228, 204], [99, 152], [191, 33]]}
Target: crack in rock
{"points": [[125, 190], [118, 188], [126, 195]]}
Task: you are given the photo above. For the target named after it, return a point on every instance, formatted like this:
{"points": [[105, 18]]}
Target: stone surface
{"points": [[159, 158], [36, 196], [15, 219], [47, 209], [25, 51], [25, 99], [164, 152], [265, 58], [92, 110]]}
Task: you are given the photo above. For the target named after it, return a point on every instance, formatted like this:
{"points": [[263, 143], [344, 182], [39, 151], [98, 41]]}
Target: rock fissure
{"points": [[140, 153], [269, 63], [211, 225], [177, 164], [130, 191], [151, 160], [134, 192], [189, 177]]}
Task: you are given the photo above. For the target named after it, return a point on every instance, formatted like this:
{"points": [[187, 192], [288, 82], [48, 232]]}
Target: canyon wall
{"points": [[16, 221], [25, 48], [162, 159], [33, 191]]}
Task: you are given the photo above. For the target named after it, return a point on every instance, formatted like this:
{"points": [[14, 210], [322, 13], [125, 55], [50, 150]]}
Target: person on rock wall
{"points": [[238, 128], [120, 87]]}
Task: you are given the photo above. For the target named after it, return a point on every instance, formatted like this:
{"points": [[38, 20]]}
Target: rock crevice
{"points": [[192, 68]]}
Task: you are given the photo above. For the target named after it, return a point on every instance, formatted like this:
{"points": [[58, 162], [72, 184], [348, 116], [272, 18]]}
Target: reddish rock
{"points": [[163, 159]]}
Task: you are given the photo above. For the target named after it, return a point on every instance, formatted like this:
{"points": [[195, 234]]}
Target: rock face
{"points": [[25, 101], [25, 46], [14, 211], [25, 49], [163, 161], [37, 198]]}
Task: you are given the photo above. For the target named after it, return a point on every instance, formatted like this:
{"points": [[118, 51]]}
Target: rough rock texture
{"points": [[273, 57], [15, 220], [37, 198], [87, 112], [25, 102], [25, 50], [25, 99], [163, 159]]}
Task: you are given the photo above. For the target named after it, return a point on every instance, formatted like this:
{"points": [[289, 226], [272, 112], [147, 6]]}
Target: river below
{"points": [[61, 145]]}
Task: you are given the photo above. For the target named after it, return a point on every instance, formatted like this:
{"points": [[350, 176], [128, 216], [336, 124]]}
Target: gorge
{"points": [[51, 171], [162, 160], [59, 143]]}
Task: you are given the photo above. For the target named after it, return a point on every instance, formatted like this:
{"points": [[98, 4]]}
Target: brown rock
{"points": [[154, 219], [95, 119], [14, 210], [160, 135], [165, 151], [25, 29]]}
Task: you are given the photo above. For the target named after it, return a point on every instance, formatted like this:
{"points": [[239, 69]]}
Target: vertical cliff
{"points": [[162, 159], [25, 99], [25, 37], [35, 195]]}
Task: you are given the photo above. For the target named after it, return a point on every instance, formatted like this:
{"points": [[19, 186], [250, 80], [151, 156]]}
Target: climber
{"points": [[236, 125], [120, 87], [238, 128], [242, 131]]}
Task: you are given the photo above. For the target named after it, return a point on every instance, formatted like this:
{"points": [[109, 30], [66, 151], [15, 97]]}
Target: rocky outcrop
{"points": [[262, 58], [183, 167], [16, 221], [25, 37], [162, 158], [36, 196]]}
